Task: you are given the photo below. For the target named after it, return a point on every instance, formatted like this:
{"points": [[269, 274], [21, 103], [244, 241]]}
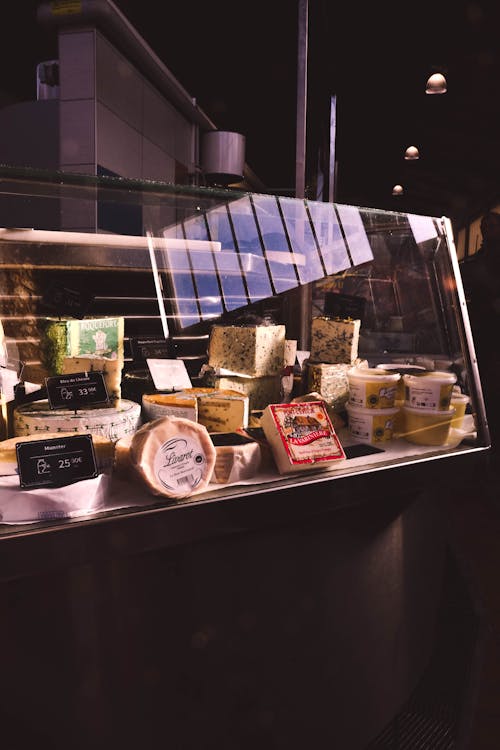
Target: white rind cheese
{"points": [[239, 458], [112, 422], [248, 350], [334, 341], [173, 457], [301, 436]]}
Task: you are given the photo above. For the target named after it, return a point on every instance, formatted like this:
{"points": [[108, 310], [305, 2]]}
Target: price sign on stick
{"points": [[56, 462]]}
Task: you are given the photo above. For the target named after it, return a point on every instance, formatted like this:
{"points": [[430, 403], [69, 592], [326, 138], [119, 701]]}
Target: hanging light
{"points": [[412, 153], [397, 190], [436, 84]]}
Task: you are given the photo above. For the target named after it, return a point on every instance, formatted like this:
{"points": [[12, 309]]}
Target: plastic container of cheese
{"points": [[430, 390], [371, 425], [372, 388], [427, 426]]}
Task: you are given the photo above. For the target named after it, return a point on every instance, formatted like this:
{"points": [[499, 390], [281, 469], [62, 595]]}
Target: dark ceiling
{"points": [[240, 62]]}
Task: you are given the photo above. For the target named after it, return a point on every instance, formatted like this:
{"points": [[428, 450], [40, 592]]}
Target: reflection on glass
{"points": [[277, 246], [354, 232], [302, 239], [331, 243], [227, 260], [249, 246]]}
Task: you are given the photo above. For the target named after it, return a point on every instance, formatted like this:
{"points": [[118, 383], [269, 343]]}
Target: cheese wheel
{"points": [[173, 457], [238, 457], [112, 422], [103, 448]]}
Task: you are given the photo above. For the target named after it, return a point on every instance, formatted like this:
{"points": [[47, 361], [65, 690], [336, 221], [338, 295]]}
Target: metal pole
{"points": [[305, 291]]}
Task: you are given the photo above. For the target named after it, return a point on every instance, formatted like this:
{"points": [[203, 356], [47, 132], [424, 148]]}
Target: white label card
{"points": [[169, 374]]}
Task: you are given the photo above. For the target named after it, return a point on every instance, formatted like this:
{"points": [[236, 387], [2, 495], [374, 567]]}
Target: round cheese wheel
{"points": [[112, 422], [173, 457]]}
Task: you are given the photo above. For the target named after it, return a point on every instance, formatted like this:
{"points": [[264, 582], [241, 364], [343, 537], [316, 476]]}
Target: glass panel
{"points": [[280, 258], [227, 260], [250, 248], [302, 239], [330, 240]]}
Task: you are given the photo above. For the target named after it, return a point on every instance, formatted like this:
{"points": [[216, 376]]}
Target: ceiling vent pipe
{"points": [[222, 156]]}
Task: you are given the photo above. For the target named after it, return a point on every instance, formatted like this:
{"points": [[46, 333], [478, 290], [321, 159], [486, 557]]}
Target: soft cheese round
{"points": [[173, 457]]}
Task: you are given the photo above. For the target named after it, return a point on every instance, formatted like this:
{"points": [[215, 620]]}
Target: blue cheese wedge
{"points": [[247, 350], [334, 341]]}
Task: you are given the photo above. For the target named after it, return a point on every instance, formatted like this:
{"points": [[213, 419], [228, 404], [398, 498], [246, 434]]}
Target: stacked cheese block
{"points": [[334, 350], [251, 360]]}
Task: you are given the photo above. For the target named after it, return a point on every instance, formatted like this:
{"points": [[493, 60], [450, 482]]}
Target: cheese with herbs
{"points": [[219, 410], [111, 422], [260, 391], [172, 457], [247, 350], [334, 341], [301, 436]]}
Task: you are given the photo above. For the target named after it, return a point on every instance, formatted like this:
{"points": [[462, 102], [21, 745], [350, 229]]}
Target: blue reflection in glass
{"points": [[278, 252], [330, 240], [202, 263], [250, 249], [302, 240], [227, 260]]}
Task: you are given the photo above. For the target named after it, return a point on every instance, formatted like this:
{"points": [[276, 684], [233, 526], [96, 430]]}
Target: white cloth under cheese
{"points": [[173, 457], [301, 436], [112, 422], [51, 503], [247, 350], [334, 340]]}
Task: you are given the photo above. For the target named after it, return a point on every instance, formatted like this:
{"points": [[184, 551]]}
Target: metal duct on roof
{"points": [[223, 155]]}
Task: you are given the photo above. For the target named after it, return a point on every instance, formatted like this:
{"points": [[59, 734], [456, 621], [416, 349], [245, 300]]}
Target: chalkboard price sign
{"points": [[56, 462], [76, 390]]}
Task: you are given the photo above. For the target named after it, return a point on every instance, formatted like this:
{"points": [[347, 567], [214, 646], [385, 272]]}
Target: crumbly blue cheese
{"points": [[331, 382], [334, 341], [248, 350]]}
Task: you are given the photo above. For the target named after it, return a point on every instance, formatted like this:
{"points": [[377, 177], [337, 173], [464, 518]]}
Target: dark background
{"points": [[239, 61]]}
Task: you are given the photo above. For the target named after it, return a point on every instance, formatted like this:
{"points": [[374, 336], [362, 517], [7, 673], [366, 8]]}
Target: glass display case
{"points": [[362, 302]]}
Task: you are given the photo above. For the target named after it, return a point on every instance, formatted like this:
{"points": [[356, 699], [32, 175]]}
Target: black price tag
{"points": [[344, 306], [76, 390], [67, 302], [150, 348], [56, 462]]}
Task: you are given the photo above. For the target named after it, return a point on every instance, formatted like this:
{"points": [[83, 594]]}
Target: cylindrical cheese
{"points": [[112, 422], [173, 457]]}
